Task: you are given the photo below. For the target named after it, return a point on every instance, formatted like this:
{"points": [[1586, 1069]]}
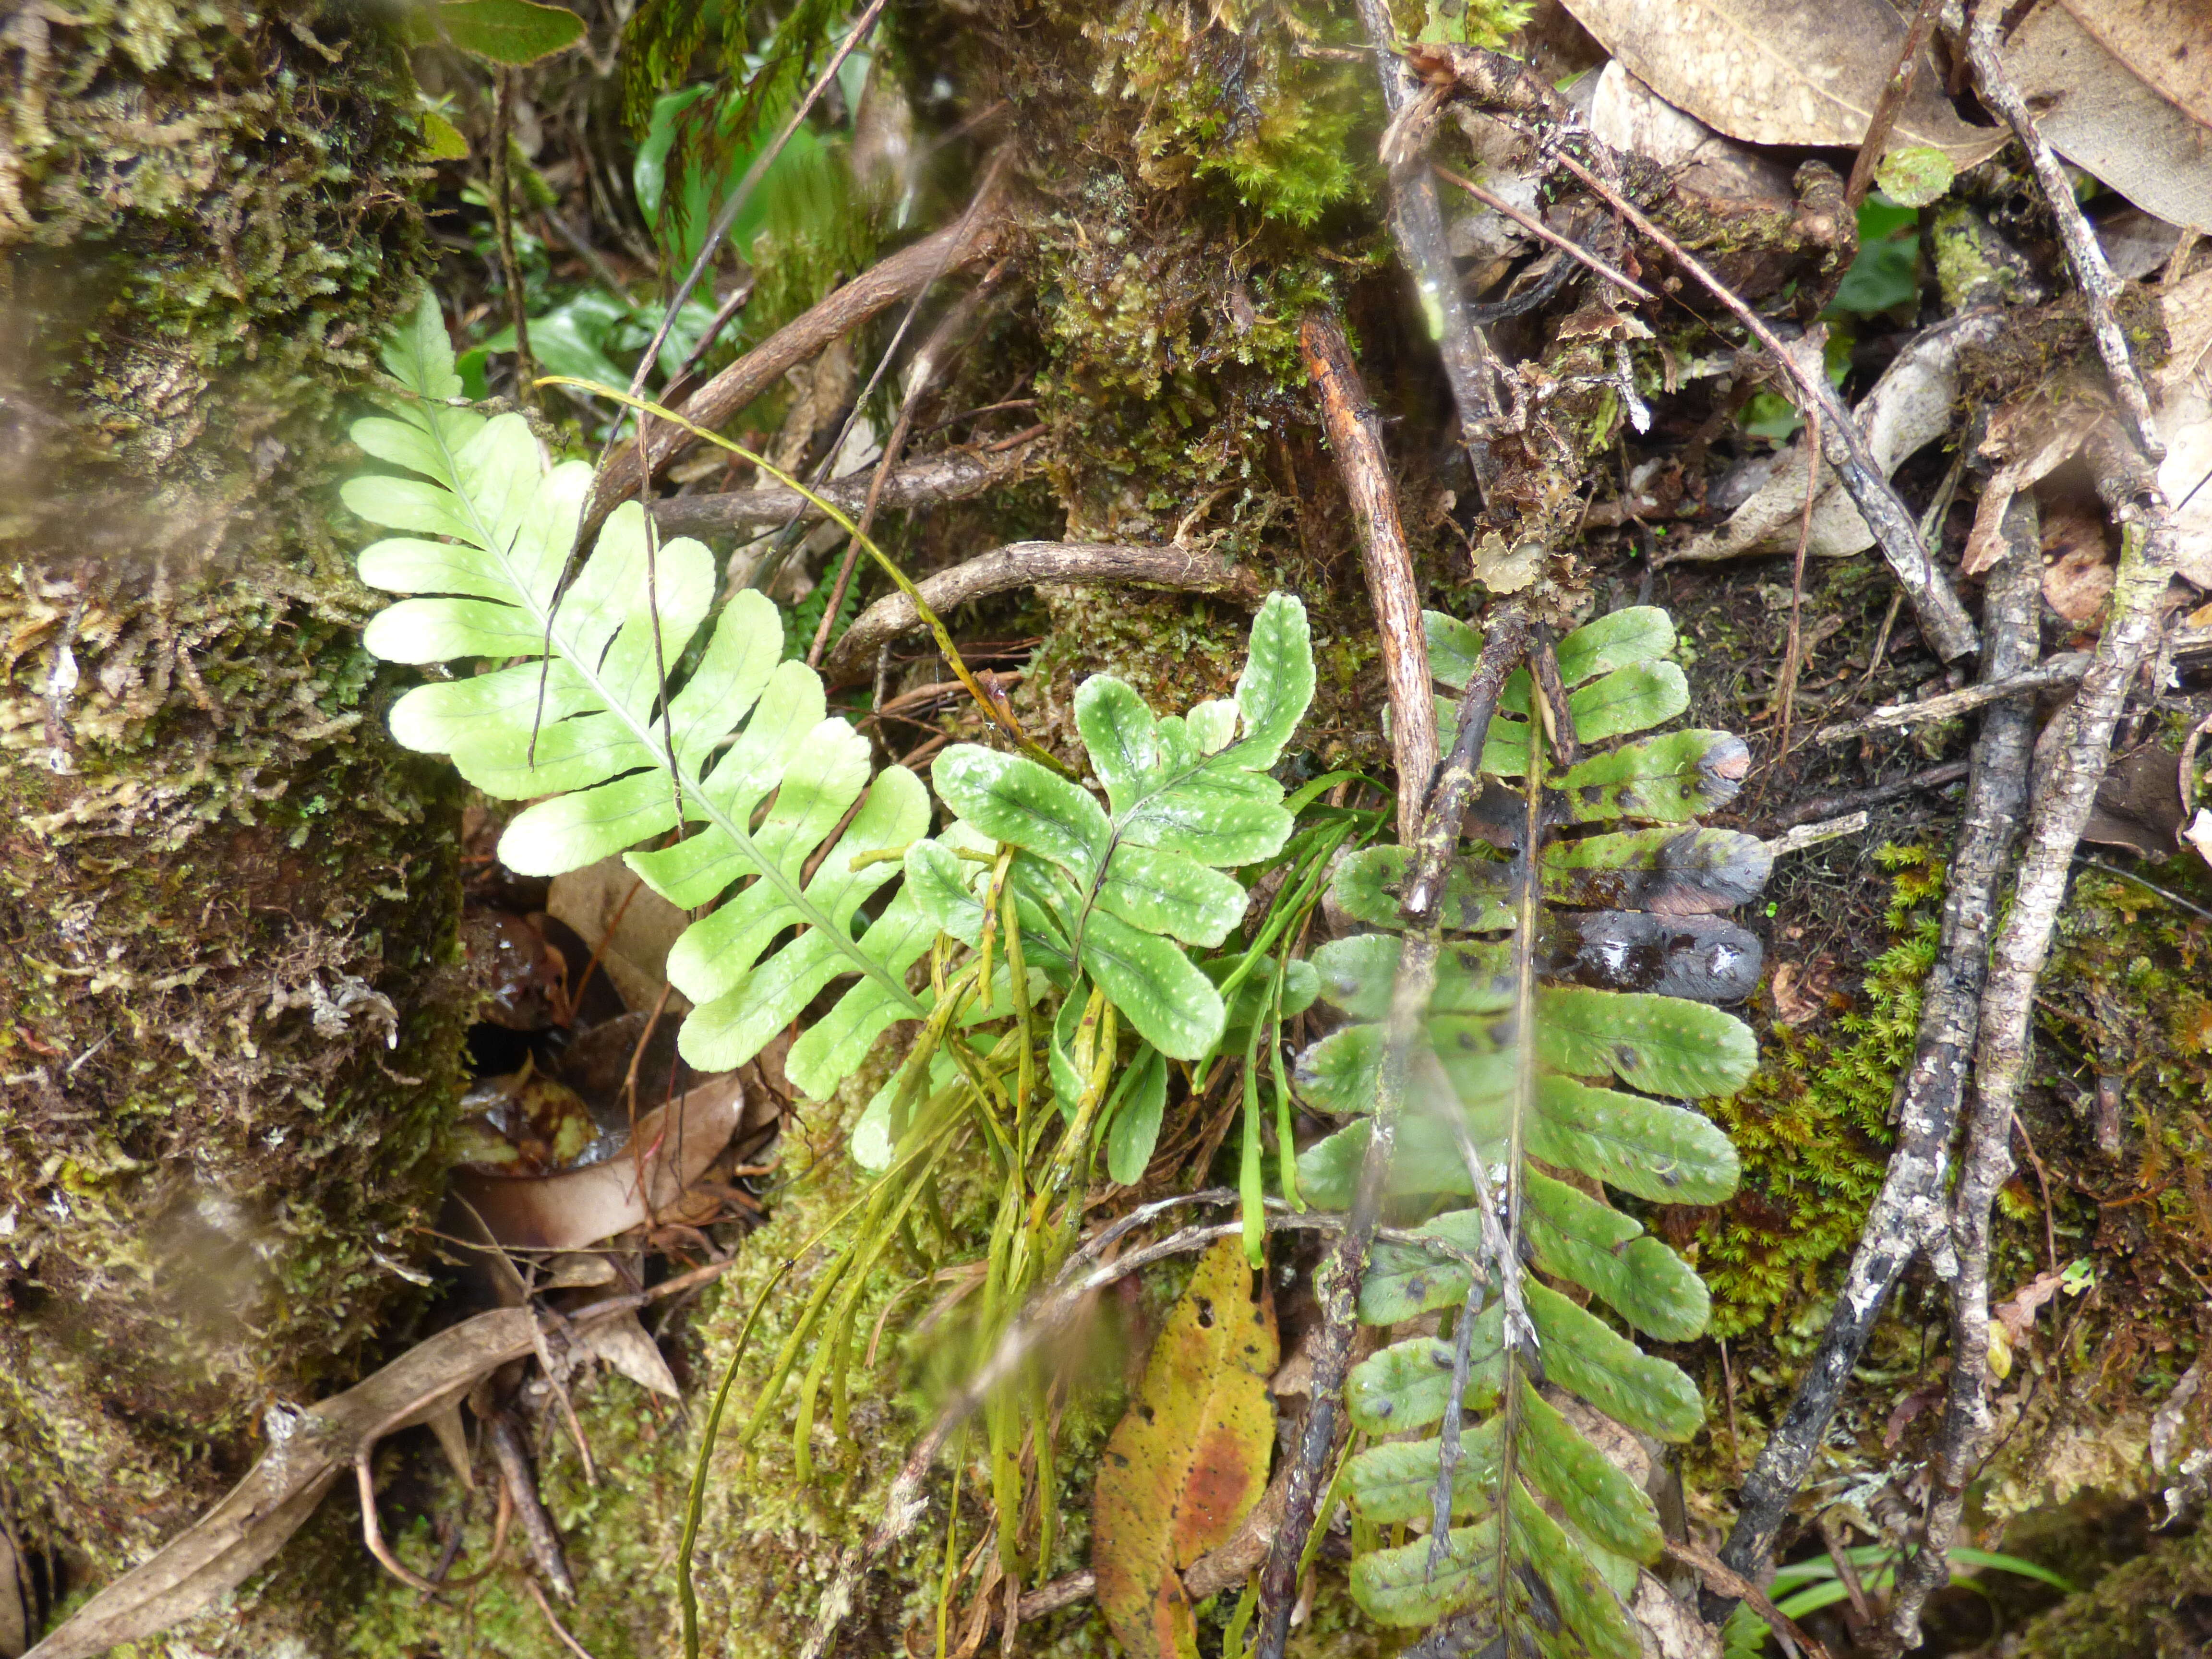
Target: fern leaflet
{"points": [[583, 719], [1568, 1011]]}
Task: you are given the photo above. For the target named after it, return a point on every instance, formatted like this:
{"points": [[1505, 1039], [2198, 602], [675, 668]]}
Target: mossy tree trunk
{"points": [[226, 900]]}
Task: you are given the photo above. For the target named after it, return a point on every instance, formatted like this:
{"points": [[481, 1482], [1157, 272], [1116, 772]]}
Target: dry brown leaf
{"points": [[630, 926], [2101, 112], [577, 1207], [2138, 805], [246, 1528], [1907, 409], [1631, 117], [1782, 71], [2168, 42], [1190, 1458], [2030, 440], [621, 1341], [2077, 561], [1801, 990]]}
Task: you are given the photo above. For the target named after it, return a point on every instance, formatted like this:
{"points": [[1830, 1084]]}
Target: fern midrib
{"points": [[1116, 823], [548, 620]]}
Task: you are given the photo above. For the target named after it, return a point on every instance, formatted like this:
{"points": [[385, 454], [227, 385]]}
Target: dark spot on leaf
{"points": [[1144, 1411], [1120, 1462], [1205, 1314]]}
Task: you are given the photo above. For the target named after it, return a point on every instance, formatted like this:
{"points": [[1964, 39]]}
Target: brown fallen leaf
{"points": [[2114, 88], [2138, 805], [2030, 440], [567, 1211], [1801, 990], [2078, 562], [2010, 1319], [1781, 71], [1188, 1462], [631, 926]]}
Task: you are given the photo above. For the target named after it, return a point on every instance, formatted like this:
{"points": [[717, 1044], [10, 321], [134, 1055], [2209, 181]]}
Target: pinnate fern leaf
{"points": [[1563, 1035], [573, 709], [1122, 888]]}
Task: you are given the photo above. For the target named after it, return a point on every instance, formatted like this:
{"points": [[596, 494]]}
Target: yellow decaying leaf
{"points": [[1190, 1458]]}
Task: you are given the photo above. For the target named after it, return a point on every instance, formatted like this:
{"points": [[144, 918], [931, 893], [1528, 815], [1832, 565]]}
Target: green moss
{"points": [[1813, 1127], [2158, 1606], [226, 912]]}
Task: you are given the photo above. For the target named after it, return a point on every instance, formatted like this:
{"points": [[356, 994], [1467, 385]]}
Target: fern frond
{"points": [[582, 719], [1570, 1013]]}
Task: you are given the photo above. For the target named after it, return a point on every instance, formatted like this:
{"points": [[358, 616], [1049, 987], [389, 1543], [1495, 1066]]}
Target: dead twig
{"points": [[1417, 229], [500, 192], [1908, 1212], [1856, 800], [1355, 435], [969, 241], [934, 352], [2099, 288], [1943, 620], [522, 1484], [2065, 669], [953, 474], [1027, 564], [1894, 92], [537, 1595], [2128, 483], [1542, 232]]}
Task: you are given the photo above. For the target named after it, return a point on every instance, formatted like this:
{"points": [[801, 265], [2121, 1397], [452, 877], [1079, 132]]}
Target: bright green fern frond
{"points": [[1570, 1013], [582, 719]]}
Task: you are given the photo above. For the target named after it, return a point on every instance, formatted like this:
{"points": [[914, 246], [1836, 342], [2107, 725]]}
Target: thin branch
{"points": [[500, 191], [1542, 232], [2099, 288], [1355, 433], [940, 345], [1909, 1208], [1893, 94], [969, 241], [1026, 564], [1417, 229], [1830, 806], [951, 475], [2129, 483], [2065, 669], [1943, 620]]}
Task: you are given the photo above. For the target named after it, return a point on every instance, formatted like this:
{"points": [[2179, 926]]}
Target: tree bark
{"points": [[226, 898]]}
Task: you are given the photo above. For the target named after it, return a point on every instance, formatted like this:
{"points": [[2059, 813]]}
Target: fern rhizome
{"points": [[1521, 1001]]}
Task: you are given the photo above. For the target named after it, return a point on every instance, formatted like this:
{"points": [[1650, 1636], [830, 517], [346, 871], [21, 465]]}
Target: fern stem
{"points": [[1504, 649]]}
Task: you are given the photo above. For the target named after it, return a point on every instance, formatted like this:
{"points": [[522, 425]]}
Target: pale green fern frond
{"points": [[582, 720]]}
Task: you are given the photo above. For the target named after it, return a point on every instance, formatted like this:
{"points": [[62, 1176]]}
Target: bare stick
{"points": [[1356, 436], [951, 475], [972, 238], [2065, 669], [1893, 94], [538, 1528], [2128, 483], [1026, 564], [2099, 286], [1910, 1206], [940, 345], [1830, 806], [1542, 232], [731, 208], [500, 191], [1417, 229], [1943, 620], [1503, 650]]}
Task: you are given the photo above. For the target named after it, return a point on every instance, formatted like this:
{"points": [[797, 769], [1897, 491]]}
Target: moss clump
{"points": [[1813, 1127], [227, 911], [2158, 1606]]}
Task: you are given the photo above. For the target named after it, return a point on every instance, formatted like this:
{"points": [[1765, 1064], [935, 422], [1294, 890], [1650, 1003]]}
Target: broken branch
{"points": [[954, 475], [1027, 564], [1355, 435]]}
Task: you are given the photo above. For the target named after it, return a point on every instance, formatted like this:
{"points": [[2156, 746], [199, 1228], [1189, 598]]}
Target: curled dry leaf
{"points": [[2138, 805], [1190, 1458], [2199, 833], [1783, 71], [672, 1148], [309, 1450], [2077, 561], [2118, 87], [1907, 409], [631, 926]]}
